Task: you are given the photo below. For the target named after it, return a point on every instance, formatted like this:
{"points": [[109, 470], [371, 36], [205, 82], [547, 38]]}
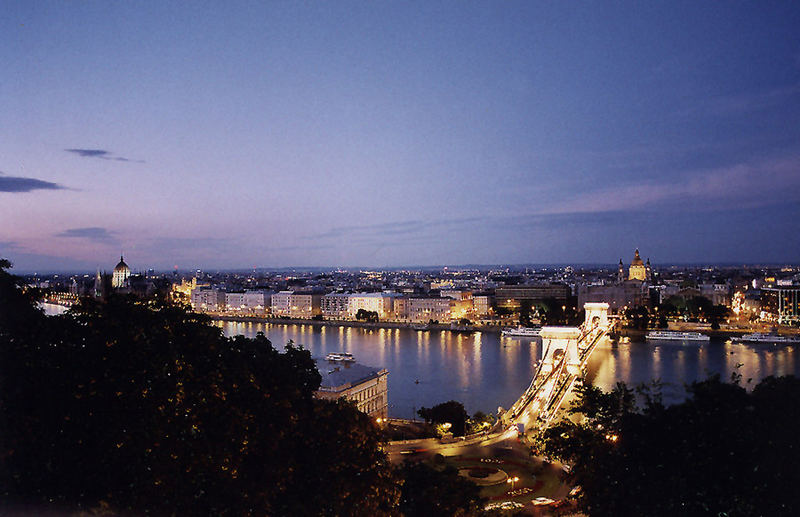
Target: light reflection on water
{"points": [[484, 370]]}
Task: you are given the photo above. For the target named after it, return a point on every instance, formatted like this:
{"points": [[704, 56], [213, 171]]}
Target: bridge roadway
{"points": [[552, 382], [537, 406]]}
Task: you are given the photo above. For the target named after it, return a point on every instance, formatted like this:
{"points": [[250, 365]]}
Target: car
{"points": [[541, 501]]}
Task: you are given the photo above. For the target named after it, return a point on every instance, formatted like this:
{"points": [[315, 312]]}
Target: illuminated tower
{"points": [[621, 272], [121, 274], [637, 271]]}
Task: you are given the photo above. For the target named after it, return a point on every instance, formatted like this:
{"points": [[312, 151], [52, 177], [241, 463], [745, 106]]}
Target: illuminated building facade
{"points": [[208, 300], [253, 302], [334, 305], [638, 270], [781, 303], [365, 386], [119, 280], [295, 305], [373, 302], [423, 310]]}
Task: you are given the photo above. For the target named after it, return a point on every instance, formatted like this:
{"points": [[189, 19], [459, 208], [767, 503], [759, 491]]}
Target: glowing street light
{"points": [[512, 481]]}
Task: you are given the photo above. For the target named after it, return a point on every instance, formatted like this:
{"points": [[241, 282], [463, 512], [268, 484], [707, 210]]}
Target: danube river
{"points": [[484, 370]]}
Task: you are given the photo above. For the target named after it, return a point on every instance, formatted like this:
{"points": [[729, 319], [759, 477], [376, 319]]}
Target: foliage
{"points": [[451, 412], [365, 315], [480, 421], [723, 451], [146, 408], [427, 491], [553, 312], [637, 317]]}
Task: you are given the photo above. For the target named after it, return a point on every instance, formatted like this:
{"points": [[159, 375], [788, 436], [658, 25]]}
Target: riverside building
{"points": [[295, 305], [367, 387], [212, 300], [335, 306]]}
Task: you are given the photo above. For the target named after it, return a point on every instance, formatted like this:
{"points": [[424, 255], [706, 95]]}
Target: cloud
{"points": [[101, 154], [93, 234], [19, 184], [395, 228], [745, 185]]}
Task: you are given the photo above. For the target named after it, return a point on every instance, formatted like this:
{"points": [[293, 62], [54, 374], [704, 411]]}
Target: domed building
{"points": [[121, 275], [637, 271]]}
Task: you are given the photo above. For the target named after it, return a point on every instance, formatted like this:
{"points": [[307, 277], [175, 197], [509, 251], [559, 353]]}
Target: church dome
{"points": [[637, 260], [122, 266]]}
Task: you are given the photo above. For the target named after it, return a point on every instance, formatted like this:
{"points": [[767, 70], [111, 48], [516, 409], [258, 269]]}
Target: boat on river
{"points": [[340, 357], [675, 335], [772, 338], [521, 332]]}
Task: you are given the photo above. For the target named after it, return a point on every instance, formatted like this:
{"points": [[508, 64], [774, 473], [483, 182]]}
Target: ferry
{"points": [[521, 332], [340, 356], [674, 335], [765, 337]]}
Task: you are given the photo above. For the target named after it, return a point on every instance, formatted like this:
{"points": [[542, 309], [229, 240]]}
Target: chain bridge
{"points": [[566, 351]]}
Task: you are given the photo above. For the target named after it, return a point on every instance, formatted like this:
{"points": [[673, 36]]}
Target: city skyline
{"points": [[387, 136]]}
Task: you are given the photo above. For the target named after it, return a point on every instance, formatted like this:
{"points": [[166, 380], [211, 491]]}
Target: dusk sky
{"points": [[232, 135]]}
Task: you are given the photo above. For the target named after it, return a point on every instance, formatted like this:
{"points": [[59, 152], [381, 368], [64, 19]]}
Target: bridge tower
{"points": [[596, 315], [557, 341]]}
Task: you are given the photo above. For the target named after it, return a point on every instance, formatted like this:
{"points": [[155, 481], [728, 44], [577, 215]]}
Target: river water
{"points": [[484, 370]]}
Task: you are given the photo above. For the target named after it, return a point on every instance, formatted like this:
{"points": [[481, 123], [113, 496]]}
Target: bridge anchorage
{"points": [[566, 351]]}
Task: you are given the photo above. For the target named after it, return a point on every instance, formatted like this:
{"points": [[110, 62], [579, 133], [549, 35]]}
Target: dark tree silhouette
{"points": [[452, 412], [723, 451], [147, 408]]}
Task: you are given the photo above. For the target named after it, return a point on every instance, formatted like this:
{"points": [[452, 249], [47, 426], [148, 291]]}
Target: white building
{"points": [[281, 303], [423, 310], [121, 275], [252, 302], [372, 302], [295, 305], [335, 305], [208, 300], [365, 386]]}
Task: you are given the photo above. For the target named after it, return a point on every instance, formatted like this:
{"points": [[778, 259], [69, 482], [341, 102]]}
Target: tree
{"points": [[451, 412], [147, 408], [427, 491], [480, 421], [365, 315], [723, 451], [717, 314]]}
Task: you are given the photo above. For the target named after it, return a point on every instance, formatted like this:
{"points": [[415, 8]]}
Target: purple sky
{"points": [[232, 135]]}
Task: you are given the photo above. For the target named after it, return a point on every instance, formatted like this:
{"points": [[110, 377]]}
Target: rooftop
{"points": [[338, 376]]}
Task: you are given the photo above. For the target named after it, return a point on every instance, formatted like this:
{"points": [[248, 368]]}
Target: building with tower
{"points": [[638, 270], [121, 276], [628, 291]]}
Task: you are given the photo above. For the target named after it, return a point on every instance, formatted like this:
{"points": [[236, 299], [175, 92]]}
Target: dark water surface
{"points": [[484, 370]]}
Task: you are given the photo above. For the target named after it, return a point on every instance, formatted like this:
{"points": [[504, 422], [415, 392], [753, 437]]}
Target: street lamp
{"points": [[512, 481]]}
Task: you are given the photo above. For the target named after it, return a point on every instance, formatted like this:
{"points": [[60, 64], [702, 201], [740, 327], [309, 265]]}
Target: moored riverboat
{"points": [[674, 335]]}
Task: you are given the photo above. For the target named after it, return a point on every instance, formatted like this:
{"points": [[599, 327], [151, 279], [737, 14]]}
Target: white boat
{"points": [[340, 356], [521, 332], [765, 337], [674, 335]]}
